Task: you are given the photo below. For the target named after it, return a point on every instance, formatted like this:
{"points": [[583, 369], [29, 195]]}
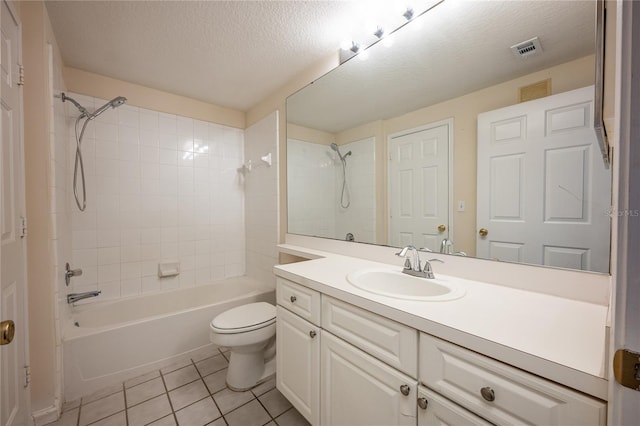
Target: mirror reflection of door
{"points": [[543, 189], [419, 181]]}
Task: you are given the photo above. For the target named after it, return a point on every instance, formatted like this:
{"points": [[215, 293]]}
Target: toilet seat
{"points": [[241, 319]]}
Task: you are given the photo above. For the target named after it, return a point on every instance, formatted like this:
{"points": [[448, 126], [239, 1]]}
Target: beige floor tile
{"points": [[229, 400], [144, 391], [292, 418], [205, 355], [101, 408], [165, 421], [264, 387], [275, 402], [219, 422], [216, 381], [181, 363], [187, 394], [251, 414], [141, 379], [102, 393], [68, 418], [211, 365], [181, 377], [149, 411], [198, 414], [118, 419]]}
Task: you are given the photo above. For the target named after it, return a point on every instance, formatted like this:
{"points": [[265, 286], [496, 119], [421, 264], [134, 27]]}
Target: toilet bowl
{"points": [[249, 333]]}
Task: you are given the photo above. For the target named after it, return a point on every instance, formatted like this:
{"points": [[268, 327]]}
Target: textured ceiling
{"points": [[460, 47], [229, 53]]}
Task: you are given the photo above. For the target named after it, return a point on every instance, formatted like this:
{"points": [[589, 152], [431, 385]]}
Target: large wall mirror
{"points": [[470, 133]]}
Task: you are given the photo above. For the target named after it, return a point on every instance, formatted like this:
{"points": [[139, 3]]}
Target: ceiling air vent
{"points": [[527, 48]]}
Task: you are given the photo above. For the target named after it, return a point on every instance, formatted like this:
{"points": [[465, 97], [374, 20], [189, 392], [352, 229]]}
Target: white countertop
{"points": [[554, 337]]}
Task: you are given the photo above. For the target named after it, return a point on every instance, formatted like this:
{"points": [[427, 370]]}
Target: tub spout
{"points": [[74, 297]]}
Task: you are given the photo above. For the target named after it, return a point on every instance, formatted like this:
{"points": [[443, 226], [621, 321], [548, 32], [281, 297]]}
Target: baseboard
{"points": [[47, 415]]}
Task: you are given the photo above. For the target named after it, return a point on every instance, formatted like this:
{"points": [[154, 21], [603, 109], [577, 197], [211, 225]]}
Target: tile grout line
{"points": [[126, 410], [209, 391], [166, 390]]}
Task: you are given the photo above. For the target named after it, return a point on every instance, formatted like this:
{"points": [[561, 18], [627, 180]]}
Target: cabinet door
{"points": [[436, 410], [357, 389], [298, 363]]}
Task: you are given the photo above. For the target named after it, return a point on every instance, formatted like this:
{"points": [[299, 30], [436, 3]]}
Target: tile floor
{"points": [[189, 393]]}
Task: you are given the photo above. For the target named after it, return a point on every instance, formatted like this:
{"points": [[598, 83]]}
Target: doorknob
{"points": [[7, 331], [483, 232], [442, 228]]}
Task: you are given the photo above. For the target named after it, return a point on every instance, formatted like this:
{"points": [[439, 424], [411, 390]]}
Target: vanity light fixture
{"points": [[355, 48], [379, 32], [408, 14]]}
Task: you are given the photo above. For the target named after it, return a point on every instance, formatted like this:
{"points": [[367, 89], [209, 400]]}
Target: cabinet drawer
{"points": [[298, 299], [500, 393], [441, 412], [387, 340]]}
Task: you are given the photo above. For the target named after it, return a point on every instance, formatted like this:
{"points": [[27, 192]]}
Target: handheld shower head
{"points": [[82, 109], [336, 149], [113, 103]]}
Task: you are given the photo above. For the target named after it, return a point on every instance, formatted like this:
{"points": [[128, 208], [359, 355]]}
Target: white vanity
{"points": [[347, 356]]}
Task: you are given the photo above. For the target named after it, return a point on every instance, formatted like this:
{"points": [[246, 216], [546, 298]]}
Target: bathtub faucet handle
{"points": [[68, 273]]}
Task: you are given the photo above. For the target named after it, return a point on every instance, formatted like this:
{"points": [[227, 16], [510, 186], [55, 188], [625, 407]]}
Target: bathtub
{"points": [[107, 343]]}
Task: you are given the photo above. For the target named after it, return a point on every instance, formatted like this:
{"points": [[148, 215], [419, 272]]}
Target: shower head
{"points": [[336, 149], [113, 103]]}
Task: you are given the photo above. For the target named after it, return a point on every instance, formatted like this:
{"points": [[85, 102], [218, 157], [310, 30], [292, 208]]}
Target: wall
{"points": [[160, 188], [36, 37], [261, 199]]}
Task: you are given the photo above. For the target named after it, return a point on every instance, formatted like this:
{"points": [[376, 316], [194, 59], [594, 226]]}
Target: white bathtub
{"points": [[118, 340]]}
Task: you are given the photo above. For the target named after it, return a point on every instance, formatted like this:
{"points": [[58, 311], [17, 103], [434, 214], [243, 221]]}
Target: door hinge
{"points": [[626, 368], [21, 76], [23, 230], [27, 376]]}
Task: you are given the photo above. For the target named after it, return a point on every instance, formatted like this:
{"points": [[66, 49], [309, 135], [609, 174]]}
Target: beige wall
{"points": [[40, 287], [96, 85]]}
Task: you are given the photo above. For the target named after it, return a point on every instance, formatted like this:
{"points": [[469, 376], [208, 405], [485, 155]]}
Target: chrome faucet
{"points": [[74, 297], [413, 267], [446, 246]]}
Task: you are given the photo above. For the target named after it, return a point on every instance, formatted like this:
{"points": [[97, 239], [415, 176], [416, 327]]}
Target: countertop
{"points": [[561, 339]]}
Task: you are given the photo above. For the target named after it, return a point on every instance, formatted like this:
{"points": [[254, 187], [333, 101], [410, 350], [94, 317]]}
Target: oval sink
{"points": [[393, 283]]}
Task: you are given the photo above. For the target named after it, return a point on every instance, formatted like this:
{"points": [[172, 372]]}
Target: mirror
{"points": [[472, 134]]}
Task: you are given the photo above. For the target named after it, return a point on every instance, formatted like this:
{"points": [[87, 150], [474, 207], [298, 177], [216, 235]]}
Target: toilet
{"points": [[249, 333]]}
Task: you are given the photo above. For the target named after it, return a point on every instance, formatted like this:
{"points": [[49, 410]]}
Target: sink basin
{"points": [[394, 283]]}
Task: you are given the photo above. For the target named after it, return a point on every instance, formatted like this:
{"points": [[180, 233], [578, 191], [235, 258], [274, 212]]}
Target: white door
{"points": [[12, 249], [419, 181], [298, 363], [357, 389], [543, 188]]}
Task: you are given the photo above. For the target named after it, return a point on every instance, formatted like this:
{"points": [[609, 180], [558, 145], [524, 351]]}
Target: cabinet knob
{"points": [[312, 334], [293, 299], [405, 389], [488, 394], [422, 403]]}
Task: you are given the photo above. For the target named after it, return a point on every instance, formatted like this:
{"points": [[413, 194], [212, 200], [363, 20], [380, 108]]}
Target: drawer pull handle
{"points": [[293, 299], [488, 394], [422, 403], [312, 334], [405, 389]]}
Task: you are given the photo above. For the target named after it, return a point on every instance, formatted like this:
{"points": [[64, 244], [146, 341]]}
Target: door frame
{"points": [[450, 131]]}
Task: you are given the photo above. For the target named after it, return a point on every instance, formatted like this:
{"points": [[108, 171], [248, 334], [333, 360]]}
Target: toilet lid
{"points": [[246, 317]]}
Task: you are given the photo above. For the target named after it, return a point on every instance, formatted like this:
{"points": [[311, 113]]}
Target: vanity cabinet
{"points": [[436, 410], [358, 389], [298, 348], [500, 393], [339, 364]]}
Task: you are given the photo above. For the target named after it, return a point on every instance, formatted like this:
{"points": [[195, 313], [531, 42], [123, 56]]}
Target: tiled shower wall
{"points": [[160, 188], [315, 184]]}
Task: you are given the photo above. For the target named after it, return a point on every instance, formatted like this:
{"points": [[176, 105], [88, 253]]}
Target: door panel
{"points": [[12, 249], [419, 179], [543, 189]]}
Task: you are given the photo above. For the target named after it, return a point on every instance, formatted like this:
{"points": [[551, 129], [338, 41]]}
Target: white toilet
{"points": [[249, 333]]}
